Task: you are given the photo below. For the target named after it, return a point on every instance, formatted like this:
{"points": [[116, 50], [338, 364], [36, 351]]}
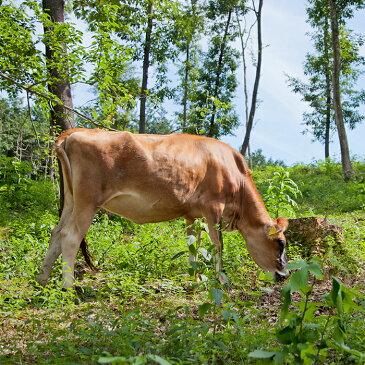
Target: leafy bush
{"points": [[280, 194], [19, 193], [324, 189], [14, 181], [310, 331]]}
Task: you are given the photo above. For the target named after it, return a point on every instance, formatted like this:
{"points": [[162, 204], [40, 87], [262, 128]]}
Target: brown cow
{"points": [[154, 178]]}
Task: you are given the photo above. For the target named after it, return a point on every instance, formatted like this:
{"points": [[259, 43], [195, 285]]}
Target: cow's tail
{"points": [[64, 165], [65, 178], [86, 253]]}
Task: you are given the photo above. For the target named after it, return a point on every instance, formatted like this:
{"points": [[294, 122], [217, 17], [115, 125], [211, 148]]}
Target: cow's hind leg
{"points": [[71, 235], [54, 249]]}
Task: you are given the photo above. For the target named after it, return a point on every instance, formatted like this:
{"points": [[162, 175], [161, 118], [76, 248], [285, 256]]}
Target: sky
{"points": [[278, 129]]}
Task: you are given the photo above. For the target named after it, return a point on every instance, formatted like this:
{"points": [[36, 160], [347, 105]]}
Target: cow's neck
{"points": [[254, 216]]}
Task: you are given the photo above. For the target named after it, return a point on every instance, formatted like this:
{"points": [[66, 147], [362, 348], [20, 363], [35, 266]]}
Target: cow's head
{"points": [[267, 247]]}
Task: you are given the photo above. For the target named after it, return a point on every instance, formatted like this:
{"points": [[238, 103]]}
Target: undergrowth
{"points": [[144, 305]]}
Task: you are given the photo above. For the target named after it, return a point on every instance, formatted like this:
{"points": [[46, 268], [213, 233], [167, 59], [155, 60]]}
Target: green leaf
{"points": [[191, 239], [315, 269], [285, 292], [113, 360], [158, 359], [309, 335], [204, 252], [177, 255], [306, 289], [204, 308], [280, 356], [262, 354], [336, 295], [339, 336], [216, 295], [224, 277], [299, 279], [286, 335], [296, 265], [193, 250]]}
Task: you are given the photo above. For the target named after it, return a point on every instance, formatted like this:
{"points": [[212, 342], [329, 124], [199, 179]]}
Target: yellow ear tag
{"points": [[272, 231]]}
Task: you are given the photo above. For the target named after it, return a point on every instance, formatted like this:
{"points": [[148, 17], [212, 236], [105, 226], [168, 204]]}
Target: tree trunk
{"points": [[328, 119], [146, 65], [211, 132], [345, 154], [328, 94], [186, 81], [244, 46], [251, 117], [59, 85]]}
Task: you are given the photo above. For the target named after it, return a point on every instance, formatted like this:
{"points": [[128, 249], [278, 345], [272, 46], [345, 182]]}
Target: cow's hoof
{"points": [[41, 281]]}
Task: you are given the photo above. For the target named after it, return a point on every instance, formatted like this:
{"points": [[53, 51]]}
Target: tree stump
{"points": [[311, 233]]}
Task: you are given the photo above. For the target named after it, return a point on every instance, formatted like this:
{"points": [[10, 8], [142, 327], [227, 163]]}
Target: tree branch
{"points": [[30, 90]]}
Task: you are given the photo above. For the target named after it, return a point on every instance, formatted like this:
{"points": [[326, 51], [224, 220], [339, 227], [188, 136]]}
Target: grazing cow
{"points": [[155, 178]]}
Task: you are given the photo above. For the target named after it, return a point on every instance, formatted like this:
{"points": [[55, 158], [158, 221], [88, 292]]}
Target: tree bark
{"points": [[251, 117], [59, 85], [186, 81], [211, 132], [146, 65], [345, 153], [245, 91], [328, 119], [328, 94]]}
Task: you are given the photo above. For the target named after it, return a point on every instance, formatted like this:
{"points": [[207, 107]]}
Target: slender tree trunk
{"points": [[59, 85], [345, 153], [251, 117], [245, 91], [328, 94], [328, 119], [186, 81], [146, 65], [211, 131]]}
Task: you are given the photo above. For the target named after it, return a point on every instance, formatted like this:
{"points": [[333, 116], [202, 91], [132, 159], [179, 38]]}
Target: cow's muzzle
{"points": [[281, 275]]}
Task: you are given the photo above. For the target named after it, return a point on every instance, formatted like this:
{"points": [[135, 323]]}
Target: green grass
{"points": [[142, 307]]}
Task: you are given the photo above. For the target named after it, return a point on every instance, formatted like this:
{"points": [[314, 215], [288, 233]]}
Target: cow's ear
{"points": [[282, 223]]}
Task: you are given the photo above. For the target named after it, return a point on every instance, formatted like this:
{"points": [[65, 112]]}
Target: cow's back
{"points": [[152, 177]]}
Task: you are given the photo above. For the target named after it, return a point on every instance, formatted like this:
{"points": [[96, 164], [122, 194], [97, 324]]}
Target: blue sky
{"points": [[278, 121]]}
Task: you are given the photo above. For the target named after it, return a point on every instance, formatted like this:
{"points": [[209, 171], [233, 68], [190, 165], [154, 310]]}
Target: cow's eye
{"points": [[281, 244]]}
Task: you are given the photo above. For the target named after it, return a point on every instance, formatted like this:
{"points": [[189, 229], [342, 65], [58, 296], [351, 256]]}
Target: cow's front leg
{"points": [[216, 237], [214, 220]]}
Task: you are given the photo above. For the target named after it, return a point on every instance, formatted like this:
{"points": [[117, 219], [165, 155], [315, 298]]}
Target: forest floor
{"points": [[143, 307]]}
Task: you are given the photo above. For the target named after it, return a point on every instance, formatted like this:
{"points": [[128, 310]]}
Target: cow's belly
{"points": [[143, 209]]}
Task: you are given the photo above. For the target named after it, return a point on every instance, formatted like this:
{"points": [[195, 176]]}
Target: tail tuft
{"points": [[86, 253]]}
